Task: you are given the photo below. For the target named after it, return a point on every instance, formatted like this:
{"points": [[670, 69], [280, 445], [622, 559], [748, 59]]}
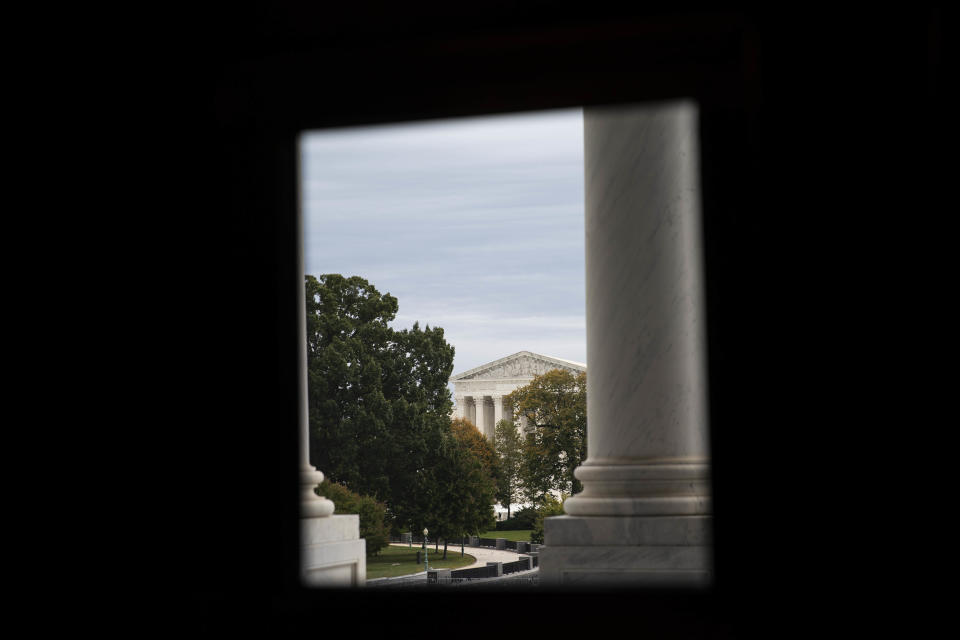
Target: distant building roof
{"points": [[523, 364]]}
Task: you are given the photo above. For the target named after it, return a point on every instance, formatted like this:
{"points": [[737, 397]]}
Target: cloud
{"points": [[474, 225]]}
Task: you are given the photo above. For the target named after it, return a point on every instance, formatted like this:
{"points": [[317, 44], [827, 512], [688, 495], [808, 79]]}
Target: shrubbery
{"points": [[527, 517], [373, 514], [510, 524], [550, 507], [524, 518]]}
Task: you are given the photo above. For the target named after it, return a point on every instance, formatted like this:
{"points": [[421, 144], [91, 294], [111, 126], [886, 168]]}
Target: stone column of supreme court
{"points": [[643, 517], [332, 553], [471, 410], [497, 412], [480, 421]]}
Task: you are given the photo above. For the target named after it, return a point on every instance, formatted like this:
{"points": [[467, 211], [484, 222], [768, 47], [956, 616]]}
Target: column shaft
{"points": [[646, 387], [642, 516], [311, 505], [481, 425], [471, 409]]}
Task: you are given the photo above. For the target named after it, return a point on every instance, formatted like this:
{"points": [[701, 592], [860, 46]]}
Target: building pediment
{"points": [[519, 365]]}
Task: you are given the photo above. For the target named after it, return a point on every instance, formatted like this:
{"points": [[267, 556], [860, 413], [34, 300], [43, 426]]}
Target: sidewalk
{"points": [[482, 554]]}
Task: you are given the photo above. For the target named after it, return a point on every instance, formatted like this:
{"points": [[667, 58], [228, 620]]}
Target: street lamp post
{"points": [[426, 559]]}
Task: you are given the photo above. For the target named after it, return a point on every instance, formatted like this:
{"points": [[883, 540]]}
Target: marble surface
{"points": [[333, 553], [643, 515], [635, 551], [569, 531], [641, 489], [645, 308], [647, 448]]}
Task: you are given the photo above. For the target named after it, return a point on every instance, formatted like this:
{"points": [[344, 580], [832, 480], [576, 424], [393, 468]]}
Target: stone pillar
{"points": [[472, 410], [643, 516], [438, 576], [332, 553], [460, 411], [480, 415], [497, 413]]}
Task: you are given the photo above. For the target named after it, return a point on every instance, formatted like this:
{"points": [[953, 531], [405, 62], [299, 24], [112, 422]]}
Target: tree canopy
{"points": [[465, 476], [556, 404], [509, 450], [378, 397]]}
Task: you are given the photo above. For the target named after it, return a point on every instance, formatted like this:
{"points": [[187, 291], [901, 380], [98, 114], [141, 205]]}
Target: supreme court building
{"points": [[479, 393]]}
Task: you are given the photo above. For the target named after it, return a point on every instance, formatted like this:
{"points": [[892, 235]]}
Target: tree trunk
{"points": [[444, 548]]}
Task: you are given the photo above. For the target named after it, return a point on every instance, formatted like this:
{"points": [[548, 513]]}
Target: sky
{"points": [[474, 225]]}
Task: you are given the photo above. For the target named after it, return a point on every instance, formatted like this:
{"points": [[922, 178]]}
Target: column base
{"points": [[627, 551], [648, 489], [333, 553]]}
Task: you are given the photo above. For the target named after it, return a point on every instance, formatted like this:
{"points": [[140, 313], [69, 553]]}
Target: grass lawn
{"points": [[516, 536], [400, 561]]}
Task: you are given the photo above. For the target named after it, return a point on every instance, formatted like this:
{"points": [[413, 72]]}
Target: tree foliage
{"points": [[374, 527], [379, 402], [509, 450], [468, 435], [549, 507], [556, 404], [464, 474]]}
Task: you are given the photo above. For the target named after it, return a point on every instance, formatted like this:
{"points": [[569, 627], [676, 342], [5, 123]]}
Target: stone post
{"points": [[438, 576], [332, 553], [460, 411], [643, 516], [311, 505]]}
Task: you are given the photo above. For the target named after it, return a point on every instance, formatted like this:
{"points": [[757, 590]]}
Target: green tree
{"points": [[509, 449], [373, 514], [465, 476], [379, 402], [556, 404], [549, 507], [468, 434]]}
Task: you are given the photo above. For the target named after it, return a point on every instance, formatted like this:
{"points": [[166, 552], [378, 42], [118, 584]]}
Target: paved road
{"points": [[482, 554]]}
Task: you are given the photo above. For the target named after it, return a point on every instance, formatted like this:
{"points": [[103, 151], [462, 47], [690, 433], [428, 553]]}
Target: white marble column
{"points": [[497, 413], [332, 553], [643, 516], [460, 411], [471, 409], [481, 424]]}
